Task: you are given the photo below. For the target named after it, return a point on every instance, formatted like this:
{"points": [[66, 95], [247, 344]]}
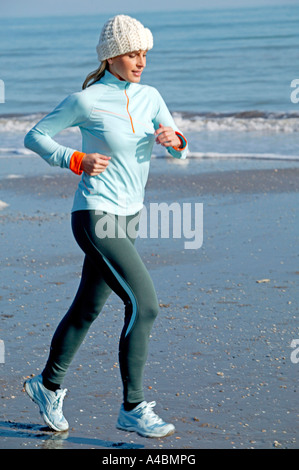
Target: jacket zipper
{"points": [[129, 112]]}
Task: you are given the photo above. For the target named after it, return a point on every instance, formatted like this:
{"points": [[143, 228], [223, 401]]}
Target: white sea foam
{"points": [[238, 122], [23, 123], [250, 121], [262, 135], [17, 153], [3, 205], [259, 156], [13, 176]]}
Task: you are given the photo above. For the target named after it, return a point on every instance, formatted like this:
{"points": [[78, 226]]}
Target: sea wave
{"points": [[248, 134], [22, 123], [246, 121], [22, 152], [257, 156]]}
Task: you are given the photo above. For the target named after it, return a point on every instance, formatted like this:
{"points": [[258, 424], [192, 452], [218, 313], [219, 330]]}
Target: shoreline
{"points": [[219, 363]]}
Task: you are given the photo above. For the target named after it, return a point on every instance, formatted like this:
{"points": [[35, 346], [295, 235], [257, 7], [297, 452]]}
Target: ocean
{"points": [[229, 76]]}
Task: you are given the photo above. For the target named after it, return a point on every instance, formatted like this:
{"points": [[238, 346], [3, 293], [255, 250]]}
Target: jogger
{"points": [[119, 120], [111, 263]]}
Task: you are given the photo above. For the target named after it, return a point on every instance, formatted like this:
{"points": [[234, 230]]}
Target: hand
{"points": [[167, 137], [94, 163]]}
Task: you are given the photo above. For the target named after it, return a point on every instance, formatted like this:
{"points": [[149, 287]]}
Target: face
{"points": [[128, 67]]}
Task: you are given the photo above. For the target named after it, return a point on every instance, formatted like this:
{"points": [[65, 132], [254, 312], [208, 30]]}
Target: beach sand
{"points": [[219, 365]]}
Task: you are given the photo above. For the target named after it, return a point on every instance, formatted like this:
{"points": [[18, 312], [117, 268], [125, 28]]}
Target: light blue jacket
{"points": [[118, 119]]}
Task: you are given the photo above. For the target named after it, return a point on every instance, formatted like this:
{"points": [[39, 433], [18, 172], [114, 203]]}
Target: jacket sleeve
{"points": [[69, 113], [163, 116]]}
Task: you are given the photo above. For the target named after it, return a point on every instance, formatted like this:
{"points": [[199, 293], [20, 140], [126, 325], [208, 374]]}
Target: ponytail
{"points": [[96, 75]]}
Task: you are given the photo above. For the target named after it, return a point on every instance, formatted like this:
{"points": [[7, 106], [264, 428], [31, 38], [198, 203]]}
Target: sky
{"points": [[23, 8]]}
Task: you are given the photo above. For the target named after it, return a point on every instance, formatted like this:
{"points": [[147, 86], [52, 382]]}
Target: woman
{"points": [[119, 120]]}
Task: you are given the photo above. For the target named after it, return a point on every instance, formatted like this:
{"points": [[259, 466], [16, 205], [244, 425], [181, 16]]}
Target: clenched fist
{"points": [[167, 137], [94, 163]]}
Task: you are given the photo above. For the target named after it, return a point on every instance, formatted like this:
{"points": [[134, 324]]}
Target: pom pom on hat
{"points": [[122, 34]]}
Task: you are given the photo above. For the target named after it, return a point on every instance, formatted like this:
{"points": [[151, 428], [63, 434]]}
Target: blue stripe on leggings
{"points": [[128, 291]]}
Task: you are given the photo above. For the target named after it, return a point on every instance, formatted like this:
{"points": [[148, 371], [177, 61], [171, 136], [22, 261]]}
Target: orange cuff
{"points": [[75, 162], [183, 140]]}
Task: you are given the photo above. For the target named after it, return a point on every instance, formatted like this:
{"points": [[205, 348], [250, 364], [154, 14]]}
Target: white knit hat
{"points": [[122, 34]]}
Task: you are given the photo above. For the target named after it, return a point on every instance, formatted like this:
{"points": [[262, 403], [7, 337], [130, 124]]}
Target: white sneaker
{"points": [[144, 421], [50, 403]]}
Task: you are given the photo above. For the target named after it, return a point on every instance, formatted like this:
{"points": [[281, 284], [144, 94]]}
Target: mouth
{"points": [[137, 73]]}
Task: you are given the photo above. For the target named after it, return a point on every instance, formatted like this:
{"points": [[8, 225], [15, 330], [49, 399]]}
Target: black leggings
{"points": [[111, 263]]}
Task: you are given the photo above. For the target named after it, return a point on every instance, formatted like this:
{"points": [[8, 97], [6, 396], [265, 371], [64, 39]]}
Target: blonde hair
{"points": [[95, 75]]}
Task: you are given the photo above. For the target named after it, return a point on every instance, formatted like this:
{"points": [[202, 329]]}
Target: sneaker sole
{"points": [[37, 402], [143, 433]]}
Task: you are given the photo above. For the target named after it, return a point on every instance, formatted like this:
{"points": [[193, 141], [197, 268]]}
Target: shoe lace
{"points": [[151, 415], [57, 404]]}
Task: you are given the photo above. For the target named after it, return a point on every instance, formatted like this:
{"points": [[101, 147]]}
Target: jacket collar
{"points": [[112, 80]]}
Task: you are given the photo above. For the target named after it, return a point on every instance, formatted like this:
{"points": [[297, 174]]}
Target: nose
{"points": [[141, 61]]}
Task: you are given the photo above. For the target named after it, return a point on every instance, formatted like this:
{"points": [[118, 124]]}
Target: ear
{"points": [[110, 61]]}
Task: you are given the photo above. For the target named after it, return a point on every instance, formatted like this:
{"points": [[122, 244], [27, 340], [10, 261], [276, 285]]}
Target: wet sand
{"points": [[219, 364]]}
